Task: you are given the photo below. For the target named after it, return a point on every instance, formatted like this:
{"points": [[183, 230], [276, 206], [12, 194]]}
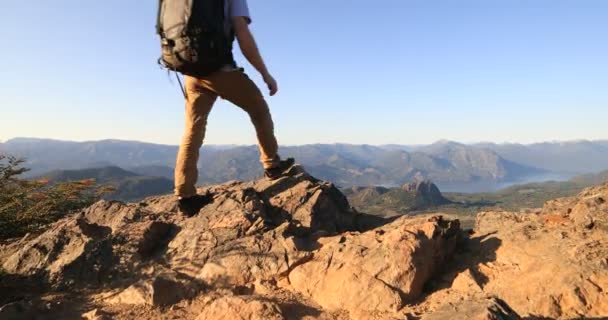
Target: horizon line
{"points": [[315, 143]]}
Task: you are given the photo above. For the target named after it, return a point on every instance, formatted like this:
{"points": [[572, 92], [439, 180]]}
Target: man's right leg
{"points": [[236, 87], [198, 105]]}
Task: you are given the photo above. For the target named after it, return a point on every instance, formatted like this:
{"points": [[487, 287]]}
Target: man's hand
{"points": [[271, 83], [251, 52]]}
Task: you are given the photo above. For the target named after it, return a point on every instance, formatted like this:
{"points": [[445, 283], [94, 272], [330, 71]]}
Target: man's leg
{"points": [[236, 87], [198, 105]]}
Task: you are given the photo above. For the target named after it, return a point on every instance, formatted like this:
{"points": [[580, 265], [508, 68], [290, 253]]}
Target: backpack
{"points": [[193, 37]]}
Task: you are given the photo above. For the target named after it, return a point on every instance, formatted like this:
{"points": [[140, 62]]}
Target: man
{"points": [[233, 85]]}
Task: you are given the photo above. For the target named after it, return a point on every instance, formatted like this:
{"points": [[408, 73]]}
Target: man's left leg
{"points": [[199, 102]]}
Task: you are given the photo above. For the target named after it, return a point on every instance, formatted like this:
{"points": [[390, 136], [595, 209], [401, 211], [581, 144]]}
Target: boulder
{"points": [[480, 309], [379, 270], [231, 308], [95, 314], [551, 264], [161, 290], [72, 251]]}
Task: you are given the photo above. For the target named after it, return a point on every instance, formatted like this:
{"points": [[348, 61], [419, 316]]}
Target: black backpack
{"points": [[193, 37]]}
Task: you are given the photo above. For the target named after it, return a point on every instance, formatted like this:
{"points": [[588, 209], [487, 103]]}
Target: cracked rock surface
{"points": [[295, 249]]}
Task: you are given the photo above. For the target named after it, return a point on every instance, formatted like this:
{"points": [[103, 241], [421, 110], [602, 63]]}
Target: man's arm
{"points": [[251, 52]]}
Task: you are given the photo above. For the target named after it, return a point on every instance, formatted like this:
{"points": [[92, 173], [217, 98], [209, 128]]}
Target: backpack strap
{"points": [[159, 28], [181, 86]]}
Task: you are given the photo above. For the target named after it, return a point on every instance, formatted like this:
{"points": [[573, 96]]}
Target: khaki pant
{"points": [[236, 87]]}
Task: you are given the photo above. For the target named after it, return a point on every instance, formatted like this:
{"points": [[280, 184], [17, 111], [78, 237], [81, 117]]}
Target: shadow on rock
{"points": [[43, 309], [14, 287], [471, 252], [156, 239], [294, 309], [366, 222]]}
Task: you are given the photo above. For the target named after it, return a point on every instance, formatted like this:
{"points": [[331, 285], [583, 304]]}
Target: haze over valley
{"points": [[452, 166]]}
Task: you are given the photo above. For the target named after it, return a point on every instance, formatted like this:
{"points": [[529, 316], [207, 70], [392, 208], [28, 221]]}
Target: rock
{"points": [[481, 309], [112, 239], [294, 246], [546, 269], [155, 237], [251, 259], [294, 242], [587, 210], [243, 235], [95, 314], [73, 250], [378, 270], [163, 290], [465, 282], [231, 308], [112, 214], [540, 264], [313, 204]]}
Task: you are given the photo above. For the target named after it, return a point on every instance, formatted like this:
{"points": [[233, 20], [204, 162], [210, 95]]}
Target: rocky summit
{"points": [[295, 249], [426, 193]]}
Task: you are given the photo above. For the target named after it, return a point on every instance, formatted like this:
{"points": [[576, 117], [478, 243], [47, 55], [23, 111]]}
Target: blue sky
{"points": [[396, 71]]}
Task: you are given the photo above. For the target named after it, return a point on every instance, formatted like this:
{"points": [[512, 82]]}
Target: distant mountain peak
{"points": [[426, 192], [444, 142], [21, 140]]}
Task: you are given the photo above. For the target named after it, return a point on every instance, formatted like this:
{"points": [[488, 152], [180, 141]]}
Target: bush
{"points": [[30, 205]]}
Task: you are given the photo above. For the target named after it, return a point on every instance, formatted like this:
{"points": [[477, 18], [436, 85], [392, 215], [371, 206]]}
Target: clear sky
{"points": [[354, 71]]}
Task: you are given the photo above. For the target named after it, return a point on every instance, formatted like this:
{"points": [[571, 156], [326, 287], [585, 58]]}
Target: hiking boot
{"points": [[192, 205], [279, 170]]}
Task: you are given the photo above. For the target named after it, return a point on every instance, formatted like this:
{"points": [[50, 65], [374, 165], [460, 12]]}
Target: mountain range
{"points": [[575, 157], [452, 166]]}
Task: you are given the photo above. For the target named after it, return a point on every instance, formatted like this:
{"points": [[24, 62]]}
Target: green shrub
{"points": [[30, 205]]}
